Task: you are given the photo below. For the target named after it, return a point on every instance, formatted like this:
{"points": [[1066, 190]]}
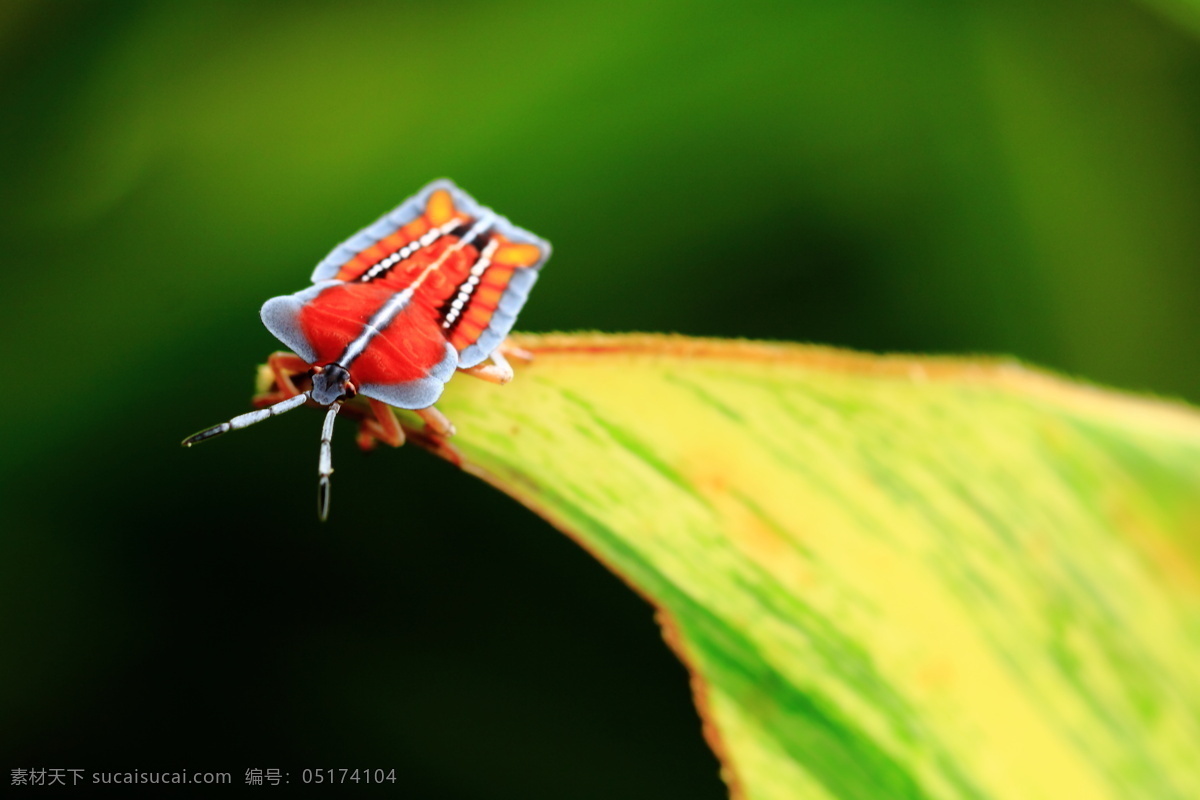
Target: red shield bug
{"points": [[430, 288]]}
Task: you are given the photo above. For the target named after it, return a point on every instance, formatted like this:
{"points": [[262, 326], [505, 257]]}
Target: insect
{"points": [[430, 288]]}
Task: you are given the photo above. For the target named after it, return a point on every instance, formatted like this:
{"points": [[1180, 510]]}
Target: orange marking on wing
{"points": [[497, 275], [478, 316], [485, 295], [440, 208], [487, 308], [517, 255], [468, 329], [415, 229], [498, 286], [352, 269], [371, 255], [391, 244]]}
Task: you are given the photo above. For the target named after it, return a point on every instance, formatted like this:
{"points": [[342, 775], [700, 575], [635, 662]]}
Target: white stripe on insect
{"points": [[400, 300], [247, 419], [325, 462], [468, 286], [404, 252], [251, 417]]}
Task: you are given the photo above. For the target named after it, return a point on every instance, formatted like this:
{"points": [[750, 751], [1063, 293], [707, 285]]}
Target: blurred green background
{"points": [[1000, 177]]}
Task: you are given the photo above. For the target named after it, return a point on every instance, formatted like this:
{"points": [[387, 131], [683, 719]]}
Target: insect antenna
{"points": [[247, 419], [325, 463]]}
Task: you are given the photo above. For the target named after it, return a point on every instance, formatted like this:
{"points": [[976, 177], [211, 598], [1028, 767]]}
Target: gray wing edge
{"points": [[421, 393], [281, 315]]}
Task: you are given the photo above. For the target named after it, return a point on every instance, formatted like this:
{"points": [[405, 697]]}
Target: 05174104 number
{"points": [[348, 775]]}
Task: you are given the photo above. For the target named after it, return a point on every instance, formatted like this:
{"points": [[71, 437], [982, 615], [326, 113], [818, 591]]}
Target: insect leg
{"points": [[247, 419], [436, 421], [384, 427], [510, 349], [325, 462], [499, 371], [284, 366]]}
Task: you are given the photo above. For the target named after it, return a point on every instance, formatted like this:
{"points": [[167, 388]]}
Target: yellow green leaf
{"points": [[889, 577]]}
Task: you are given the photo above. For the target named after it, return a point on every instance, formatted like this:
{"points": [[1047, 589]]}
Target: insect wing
{"points": [[397, 235], [281, 315], [482, 309]]}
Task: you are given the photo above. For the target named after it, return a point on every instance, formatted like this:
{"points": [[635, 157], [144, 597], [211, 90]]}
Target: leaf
{"points": [[890, 577]]}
